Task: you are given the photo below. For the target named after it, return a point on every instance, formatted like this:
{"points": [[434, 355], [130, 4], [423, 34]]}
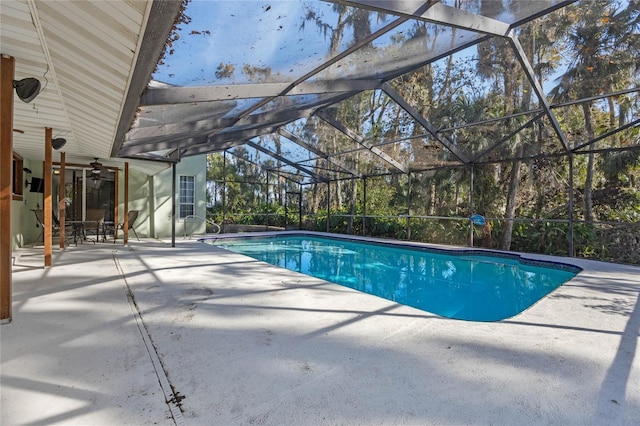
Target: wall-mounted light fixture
{"points": [[58, 143], [27, 89]]}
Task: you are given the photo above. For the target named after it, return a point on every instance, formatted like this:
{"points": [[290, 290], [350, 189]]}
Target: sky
{"points": [[243, 32]]}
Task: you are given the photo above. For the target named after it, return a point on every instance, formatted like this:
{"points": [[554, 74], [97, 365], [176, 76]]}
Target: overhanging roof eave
{"points": [[161, 20]]}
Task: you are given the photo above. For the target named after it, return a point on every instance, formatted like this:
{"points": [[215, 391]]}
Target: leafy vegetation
{"points": [[495, 152]]}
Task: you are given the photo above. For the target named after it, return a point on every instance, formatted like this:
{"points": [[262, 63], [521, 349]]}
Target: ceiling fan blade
{"points": [[96, 164]]}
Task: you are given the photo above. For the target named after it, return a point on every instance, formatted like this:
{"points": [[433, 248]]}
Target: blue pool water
{"points": [[458, 285]]}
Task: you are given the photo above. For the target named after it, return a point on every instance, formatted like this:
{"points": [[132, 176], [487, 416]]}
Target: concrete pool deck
{"points": [[109, 333]]}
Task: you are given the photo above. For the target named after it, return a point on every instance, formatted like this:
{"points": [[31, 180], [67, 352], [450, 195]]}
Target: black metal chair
{"points": [[55, 225]]}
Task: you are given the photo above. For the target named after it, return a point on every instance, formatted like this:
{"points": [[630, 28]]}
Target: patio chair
{"points": [[133, 215], [94, 222], [55, 225]]}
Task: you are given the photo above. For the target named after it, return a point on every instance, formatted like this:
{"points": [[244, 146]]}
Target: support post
{"points": [[125, 227], [48, 204], [471, 206], [286, 209], [152, 207], [62, 205], [7, 69], [409, 207], [364, 206], [571, 222], [267, 203], [299, 207], [173, 205], [224, 190], [328, 204], [116, 196]]}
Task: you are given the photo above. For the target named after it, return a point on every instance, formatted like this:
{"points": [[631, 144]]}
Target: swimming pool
{"points": [[460, 284]]}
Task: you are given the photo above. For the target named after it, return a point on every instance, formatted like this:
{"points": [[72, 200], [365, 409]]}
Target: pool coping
{"points": [[523, 258]]}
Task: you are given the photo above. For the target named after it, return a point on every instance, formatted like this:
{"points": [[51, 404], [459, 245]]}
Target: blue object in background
{"points": [[478, 219]]}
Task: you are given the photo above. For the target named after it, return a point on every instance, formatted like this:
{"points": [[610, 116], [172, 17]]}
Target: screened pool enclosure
{"points": [[404, 119]]}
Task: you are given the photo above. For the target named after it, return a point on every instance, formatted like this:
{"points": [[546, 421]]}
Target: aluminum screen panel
{"points": [[244, 41]]}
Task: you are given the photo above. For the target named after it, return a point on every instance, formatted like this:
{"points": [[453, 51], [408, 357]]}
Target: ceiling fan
{"points": [[97, 166], [96, 169]]}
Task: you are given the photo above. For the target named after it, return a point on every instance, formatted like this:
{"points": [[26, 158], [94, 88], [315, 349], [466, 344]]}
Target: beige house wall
{"points": [[150, 195], [23, 221]]}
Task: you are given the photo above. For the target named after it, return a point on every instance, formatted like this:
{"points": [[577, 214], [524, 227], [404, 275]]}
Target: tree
{"points": [[603, 43]]}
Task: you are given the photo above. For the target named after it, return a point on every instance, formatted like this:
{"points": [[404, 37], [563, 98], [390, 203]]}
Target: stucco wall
{"points": [[140, 192], [151, 195], [23, 221], [190, 166]]}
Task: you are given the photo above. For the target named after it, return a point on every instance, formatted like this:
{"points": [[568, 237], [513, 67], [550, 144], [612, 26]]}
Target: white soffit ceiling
{"points": [[83, 53]]}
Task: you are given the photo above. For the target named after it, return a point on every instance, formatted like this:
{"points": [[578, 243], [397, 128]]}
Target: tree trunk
{"points": [[588, 190], [457, 199], [315, 199], [514, 182], [588, 181], [510, 211], [432, 198]]}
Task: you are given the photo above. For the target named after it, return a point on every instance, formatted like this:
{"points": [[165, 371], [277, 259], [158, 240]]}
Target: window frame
{"points": [[186, 199]]}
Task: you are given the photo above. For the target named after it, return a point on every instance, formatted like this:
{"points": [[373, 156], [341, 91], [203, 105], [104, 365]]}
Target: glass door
{"points": [[100, 193], [84, 191]]}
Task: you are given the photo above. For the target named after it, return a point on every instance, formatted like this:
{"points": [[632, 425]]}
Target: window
{"points": [[18, 186], [187, 197]]}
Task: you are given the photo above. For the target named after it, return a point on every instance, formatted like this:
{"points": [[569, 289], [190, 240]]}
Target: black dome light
{"points": [[27, 89], [58, 143]]}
